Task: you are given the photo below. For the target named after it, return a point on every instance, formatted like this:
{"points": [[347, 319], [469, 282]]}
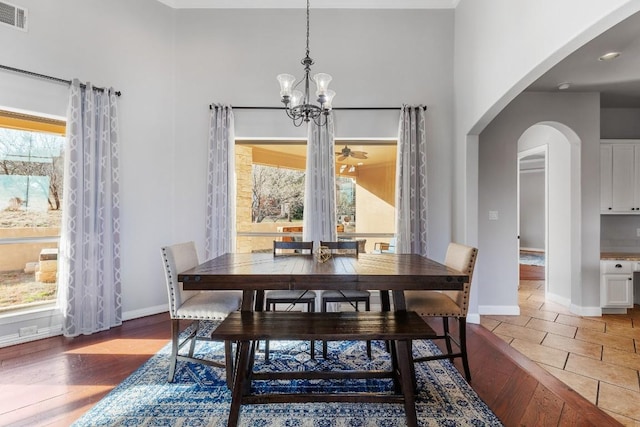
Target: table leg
{"points": [[247, 300], [259, 296], [399, 303], [407, 382], [385, 302]]}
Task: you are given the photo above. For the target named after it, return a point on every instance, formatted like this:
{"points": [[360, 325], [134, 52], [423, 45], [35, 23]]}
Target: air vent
{"points": [[13, 16]]}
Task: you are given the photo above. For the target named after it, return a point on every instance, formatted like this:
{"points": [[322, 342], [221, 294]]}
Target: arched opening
{"points": [[562, 212]]}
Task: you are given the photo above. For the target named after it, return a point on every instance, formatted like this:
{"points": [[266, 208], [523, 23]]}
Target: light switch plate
{"points": [[493, 215]]}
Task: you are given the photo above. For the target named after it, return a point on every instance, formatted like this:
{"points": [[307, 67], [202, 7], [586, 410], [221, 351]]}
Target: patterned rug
{"points": [[532, 258], [199, 395]]}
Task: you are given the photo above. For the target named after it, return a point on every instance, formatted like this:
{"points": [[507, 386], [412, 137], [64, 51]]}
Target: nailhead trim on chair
{"points": [[172, 302]]}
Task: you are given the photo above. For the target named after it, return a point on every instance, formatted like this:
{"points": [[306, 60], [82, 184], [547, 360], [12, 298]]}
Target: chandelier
{"points": [[297, 104]]}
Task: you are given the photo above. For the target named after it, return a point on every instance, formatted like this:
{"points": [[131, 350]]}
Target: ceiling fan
{"points": [[348, 152]]}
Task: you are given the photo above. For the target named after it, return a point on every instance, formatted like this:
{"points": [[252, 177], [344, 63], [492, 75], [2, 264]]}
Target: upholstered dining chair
{"points": [[194, 306], [448, 304], [290, 297], [353, 297]]}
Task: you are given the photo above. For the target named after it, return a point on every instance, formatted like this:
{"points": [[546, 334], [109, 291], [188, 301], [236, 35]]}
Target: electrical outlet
{"points": [[638, 232], [28, 330]]}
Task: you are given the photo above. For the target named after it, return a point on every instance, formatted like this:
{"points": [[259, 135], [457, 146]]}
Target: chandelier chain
{"points": [[308, 28]]}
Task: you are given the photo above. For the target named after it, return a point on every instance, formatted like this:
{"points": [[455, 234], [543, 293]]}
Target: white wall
{"points": [[171, 64], [377, 58], [497, 191], [127, 45], [532, 209], [499, 50]]}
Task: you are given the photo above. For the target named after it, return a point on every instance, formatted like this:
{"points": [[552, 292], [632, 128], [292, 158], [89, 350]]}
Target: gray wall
{"points": [[620, 123], [170, 64], [376, 57], [497, 192]]}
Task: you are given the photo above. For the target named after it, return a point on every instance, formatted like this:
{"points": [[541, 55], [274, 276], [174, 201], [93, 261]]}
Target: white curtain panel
{"points": [[221, 189], [89, 253], [320, 219], [411, 182]]}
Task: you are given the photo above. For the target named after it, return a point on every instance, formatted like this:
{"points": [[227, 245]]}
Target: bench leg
{"points": [[239, 382], [403, 349], [229, 361], [393, 352]]}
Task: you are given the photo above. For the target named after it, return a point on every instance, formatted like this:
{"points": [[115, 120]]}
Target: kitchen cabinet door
{"points": [[620, 177], [606, 174], [616, 291], [623, 178]]}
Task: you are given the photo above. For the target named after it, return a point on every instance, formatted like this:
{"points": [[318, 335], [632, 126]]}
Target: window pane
{"points": [[31, 173], [270, 182]]}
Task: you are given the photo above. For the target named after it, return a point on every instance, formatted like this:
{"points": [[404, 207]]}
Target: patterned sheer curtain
{"points": [[221, 191], [411, 182], [319, 219], [89, 258]]}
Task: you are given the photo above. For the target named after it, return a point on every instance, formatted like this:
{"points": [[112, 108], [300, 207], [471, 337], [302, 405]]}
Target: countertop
{"points": [[623, 256]]}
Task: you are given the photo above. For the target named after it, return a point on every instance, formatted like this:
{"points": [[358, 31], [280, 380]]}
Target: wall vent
{"points": [[13, 16]]}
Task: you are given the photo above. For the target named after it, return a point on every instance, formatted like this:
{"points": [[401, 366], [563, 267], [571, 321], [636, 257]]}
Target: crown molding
{"points": [[318, 4]]}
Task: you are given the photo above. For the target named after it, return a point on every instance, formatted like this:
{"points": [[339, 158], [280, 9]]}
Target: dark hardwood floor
{"points": [[52, 382], [531, 272]]}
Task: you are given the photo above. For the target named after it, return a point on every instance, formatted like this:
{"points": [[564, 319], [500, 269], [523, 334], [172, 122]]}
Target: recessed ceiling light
{"points": [[609, 56], [564, 86]]}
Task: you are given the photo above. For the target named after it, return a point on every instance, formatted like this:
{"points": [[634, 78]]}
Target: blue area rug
{"points": [[532, 258], [199, 395]]}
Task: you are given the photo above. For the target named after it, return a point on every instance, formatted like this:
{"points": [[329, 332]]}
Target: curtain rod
{"points": [[212, 106], [55, 79]]}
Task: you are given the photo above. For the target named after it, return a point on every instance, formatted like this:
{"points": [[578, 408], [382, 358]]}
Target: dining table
{"points": [[254, 273]]}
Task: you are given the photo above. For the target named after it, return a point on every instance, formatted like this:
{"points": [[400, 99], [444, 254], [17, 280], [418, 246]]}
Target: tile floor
{"points": [[599, 357]]}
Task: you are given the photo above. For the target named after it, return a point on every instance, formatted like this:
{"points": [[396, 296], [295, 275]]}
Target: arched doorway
{"points": [[563, 207]]}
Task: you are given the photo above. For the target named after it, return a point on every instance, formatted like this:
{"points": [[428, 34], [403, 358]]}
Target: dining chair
{"points": [[274, 298], [448, 304], [194, 306], [353, 297]]}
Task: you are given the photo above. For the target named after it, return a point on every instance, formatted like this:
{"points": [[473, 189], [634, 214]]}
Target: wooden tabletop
{"points": [[263, 271]]}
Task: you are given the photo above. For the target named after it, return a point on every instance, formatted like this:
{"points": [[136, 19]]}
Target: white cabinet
{"points": [[620, 177], [616, 283]]}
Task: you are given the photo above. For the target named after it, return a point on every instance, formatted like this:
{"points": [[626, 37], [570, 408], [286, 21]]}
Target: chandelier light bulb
{"points": [[296, 98], [322, 83], [286, 84], [329, 97]]}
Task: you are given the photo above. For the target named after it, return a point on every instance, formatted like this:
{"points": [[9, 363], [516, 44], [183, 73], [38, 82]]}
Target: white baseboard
{"points": [[587, 311], [499, 310], [531, 249], [473, 318], [143, 312], [42, 333], [575, 309], [565, 302]]}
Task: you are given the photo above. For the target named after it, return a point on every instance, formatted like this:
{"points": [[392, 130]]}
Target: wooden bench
{"points": [[399, 328]]}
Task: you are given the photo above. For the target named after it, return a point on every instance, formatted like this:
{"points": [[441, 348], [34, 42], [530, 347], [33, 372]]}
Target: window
{"points": [[31, 174], [270, 192]]}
